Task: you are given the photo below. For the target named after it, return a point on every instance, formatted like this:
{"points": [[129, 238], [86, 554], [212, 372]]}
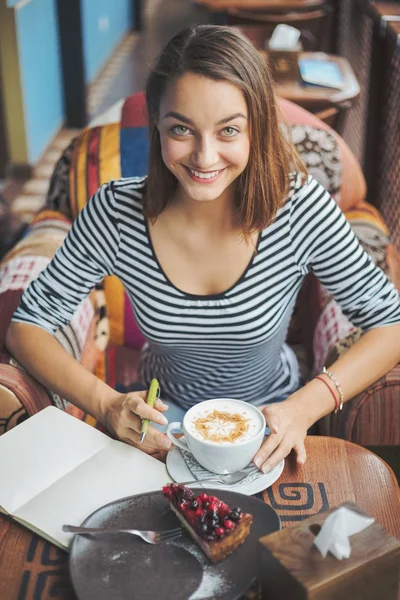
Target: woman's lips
{"points": [[204, 176]]}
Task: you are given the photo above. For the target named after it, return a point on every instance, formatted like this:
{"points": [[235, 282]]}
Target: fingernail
{"points": [[164, 405], [162, 420], [266, 468], [166, 443], [258, 461]]}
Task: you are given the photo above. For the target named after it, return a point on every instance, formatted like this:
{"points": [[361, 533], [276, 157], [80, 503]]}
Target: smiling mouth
{"points": [[206, 176]]}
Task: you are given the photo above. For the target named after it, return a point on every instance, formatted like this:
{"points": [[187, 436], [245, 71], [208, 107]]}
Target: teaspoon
{"points": [[228, 479]]}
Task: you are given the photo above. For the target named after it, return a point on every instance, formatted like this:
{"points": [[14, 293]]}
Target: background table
{"points": [[220, 5], [335, 471], [328, 104]]}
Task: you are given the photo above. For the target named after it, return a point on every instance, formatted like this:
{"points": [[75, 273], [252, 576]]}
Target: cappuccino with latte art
{"points": [[222, 434], [224, 423]]}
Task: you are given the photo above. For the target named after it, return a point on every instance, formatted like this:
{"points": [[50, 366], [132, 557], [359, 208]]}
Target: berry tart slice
{"points": [[217, 528]]}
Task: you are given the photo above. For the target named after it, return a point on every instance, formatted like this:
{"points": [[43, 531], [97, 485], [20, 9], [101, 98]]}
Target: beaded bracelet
{"points": [[338, 387], [331, 391]]}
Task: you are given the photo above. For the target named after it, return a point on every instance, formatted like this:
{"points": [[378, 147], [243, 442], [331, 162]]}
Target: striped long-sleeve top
{"points": [[230, 344]]}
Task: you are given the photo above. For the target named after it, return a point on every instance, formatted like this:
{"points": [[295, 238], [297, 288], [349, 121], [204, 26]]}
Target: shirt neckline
{"points": [[200, 296]]}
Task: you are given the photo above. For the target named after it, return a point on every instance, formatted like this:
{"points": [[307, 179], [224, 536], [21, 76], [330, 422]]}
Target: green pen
{"points": [[152, 395]]}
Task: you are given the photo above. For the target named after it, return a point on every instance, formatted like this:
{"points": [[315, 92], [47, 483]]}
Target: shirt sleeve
{"points": [[88, 254], [325, 244]]}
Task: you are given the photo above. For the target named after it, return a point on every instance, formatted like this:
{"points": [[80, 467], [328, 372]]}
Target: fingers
{"points": [[159, 404], [271, 453], [269, 446], [154, 440], [133, 410], [301, 453], [135, 403], [279, 443], [160, 455], [275, 449]]}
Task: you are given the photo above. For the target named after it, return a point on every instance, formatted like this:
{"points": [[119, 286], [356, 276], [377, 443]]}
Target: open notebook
{"points": [[55, 469]]}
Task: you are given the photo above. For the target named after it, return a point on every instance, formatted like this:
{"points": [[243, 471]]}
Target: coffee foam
{"points": [[223, 423]]}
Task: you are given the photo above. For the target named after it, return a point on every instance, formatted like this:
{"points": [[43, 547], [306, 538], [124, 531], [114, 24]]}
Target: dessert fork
{"points": [[151, 537]]}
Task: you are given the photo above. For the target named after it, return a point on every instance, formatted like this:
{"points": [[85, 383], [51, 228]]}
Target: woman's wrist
{"points": [[313, 401], [104, 402]]}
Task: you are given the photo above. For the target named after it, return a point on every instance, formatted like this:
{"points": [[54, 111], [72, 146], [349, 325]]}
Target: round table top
{"points": [[336, 471]]}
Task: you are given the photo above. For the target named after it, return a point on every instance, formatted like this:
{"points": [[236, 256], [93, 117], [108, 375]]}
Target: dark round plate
{"points": [[121, 566]]}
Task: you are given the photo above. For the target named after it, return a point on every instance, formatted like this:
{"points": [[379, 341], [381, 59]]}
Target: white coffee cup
{"points": [[223, 456]]}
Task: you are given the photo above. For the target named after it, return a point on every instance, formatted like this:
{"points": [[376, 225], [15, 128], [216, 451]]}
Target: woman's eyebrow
{"points": [[184, 119]]}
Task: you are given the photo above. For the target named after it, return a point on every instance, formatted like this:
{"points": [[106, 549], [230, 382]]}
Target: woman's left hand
{"points": [[288, 425]]}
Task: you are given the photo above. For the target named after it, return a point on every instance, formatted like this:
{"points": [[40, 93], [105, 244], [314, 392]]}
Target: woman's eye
{"points": [[179, 130], [230, 131]]}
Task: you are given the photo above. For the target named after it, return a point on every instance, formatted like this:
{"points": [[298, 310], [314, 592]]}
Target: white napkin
{"points": [[284, 37], [336, 530]]}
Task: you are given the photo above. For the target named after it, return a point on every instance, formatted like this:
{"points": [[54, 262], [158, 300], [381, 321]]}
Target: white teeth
{"points": [[208, 175]]}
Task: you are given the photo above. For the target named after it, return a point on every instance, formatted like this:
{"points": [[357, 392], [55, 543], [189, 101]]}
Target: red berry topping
{"points": [[167, 491], [224, 511], [209, 516]]}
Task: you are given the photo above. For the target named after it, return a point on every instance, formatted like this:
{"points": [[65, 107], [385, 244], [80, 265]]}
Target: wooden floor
{"points": [[124, 74]]}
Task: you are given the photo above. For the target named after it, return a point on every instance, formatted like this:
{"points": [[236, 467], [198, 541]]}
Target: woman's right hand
{"points": [[123, 418]]}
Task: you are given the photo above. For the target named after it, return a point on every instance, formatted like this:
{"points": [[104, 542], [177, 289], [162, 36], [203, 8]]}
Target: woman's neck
{"points": [[219, 214]]}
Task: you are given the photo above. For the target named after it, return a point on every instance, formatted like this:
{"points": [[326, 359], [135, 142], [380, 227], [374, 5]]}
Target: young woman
{"points": [[212, 248]]}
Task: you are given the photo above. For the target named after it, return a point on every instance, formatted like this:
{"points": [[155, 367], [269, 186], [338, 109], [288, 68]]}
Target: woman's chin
{"points": [[209, 194]]}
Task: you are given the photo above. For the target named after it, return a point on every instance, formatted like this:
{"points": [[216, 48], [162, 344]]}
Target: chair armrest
{"points": [[85, 337], [20, 396], [372, 417]]}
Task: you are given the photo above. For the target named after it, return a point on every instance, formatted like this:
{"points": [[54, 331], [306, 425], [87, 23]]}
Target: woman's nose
{"points": [[205, 153]]}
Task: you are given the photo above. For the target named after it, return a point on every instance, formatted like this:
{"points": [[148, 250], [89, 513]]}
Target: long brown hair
{"points": [[224, 54]]}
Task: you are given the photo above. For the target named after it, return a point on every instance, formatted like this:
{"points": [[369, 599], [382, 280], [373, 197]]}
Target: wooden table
{"points": [[221, 5], [336, 471], [328, 104], [316, 97]]}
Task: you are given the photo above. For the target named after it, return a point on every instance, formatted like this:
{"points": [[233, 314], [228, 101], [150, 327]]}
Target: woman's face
{"points": [[204, 133]]}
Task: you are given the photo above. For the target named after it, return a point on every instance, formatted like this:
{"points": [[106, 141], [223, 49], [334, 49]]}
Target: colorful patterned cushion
{"points": [[25, 261], [99, 154], [319, 151], [334, 333], [85, 337]]}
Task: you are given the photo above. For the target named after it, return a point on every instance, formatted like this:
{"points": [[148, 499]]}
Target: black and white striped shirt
{"points": [[230, 344]]}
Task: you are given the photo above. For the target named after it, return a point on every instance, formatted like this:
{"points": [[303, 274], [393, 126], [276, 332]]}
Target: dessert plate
{"points": [[256, 481], [121, 566]]}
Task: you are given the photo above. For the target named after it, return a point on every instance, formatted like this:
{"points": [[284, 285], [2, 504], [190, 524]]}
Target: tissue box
{"points": [[290, 566], [284, 64]]}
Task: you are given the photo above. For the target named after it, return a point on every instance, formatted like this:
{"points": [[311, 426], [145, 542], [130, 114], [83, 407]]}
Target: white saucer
{"points": [[255, 483]]}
